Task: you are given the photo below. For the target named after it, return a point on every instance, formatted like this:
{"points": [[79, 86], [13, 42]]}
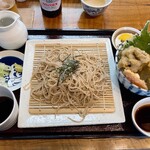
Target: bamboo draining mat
{"points": [[104, 105]]}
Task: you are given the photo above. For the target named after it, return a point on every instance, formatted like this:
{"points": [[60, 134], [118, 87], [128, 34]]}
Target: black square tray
{"points": [[126, 129]]}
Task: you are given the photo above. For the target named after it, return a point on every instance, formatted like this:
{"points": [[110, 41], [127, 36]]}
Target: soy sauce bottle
{"points": [[51, 8]]}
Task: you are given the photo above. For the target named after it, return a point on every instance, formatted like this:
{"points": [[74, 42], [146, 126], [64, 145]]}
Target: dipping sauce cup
{"points": [[8, 109], [141, 116]]}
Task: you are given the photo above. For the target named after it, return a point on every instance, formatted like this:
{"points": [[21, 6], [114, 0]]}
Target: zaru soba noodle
{"points": [[66, 77]]}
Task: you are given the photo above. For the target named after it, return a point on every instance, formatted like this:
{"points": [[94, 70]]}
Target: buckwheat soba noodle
{"points": [[66, 77]]}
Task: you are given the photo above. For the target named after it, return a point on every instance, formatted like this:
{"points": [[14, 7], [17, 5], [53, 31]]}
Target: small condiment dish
{"points": [[139, 116], [95, 10], [8, 108], [123, 30], [11, 77]]}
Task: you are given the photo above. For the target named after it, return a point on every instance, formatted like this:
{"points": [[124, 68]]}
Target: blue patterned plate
{"points": [[11, 64]]}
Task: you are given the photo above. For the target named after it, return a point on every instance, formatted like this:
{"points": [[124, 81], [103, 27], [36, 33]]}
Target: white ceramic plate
{"points": [[10, 57], [27, 120]]}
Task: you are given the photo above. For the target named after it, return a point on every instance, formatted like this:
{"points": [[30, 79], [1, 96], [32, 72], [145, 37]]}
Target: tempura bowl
{"points": [[126, 83]]}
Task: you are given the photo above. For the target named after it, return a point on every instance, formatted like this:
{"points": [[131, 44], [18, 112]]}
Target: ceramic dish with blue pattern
{"points": [[133, 63], [11, 65]]}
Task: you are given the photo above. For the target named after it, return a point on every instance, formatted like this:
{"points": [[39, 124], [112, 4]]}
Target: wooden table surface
{"points": [[120, 13]]}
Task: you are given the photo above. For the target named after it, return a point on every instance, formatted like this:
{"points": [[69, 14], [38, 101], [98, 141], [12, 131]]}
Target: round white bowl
{"points": [[123, 30], [127, 84], [142, 102], [12, 118], [95, 10]]}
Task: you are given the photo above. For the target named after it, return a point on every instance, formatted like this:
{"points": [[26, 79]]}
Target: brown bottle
{"points": [[51, 8]]}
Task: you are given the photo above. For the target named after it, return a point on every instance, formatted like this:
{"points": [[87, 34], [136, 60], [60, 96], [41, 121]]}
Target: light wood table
{"points": [[120, 13]]}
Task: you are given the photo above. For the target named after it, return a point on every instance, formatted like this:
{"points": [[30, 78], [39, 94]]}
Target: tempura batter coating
{"points": [[133, 59], [135, 79]]}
